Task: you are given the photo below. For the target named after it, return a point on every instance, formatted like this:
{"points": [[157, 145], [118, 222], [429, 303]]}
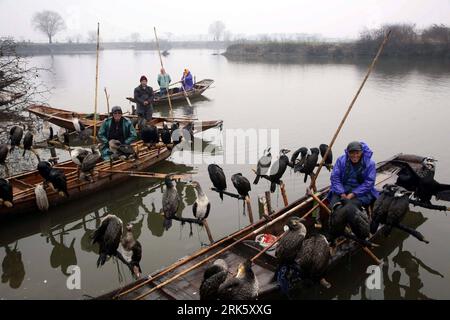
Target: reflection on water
{"points": [[404, 107]]}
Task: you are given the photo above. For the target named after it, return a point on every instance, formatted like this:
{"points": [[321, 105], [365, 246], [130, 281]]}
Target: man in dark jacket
{"points": [[118, 128], [353, 176], [143, 95]]}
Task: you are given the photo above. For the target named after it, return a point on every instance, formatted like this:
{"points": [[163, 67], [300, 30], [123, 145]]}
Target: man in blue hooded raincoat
{"points": [[353, 176]]}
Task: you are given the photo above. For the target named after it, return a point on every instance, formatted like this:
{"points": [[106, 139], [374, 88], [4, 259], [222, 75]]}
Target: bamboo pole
{"points": [[107, 100], [208, 231], [283, 193], [249, 208], [200, 252], [160, 60], [372, 65], [96, 83], [198, 264]]}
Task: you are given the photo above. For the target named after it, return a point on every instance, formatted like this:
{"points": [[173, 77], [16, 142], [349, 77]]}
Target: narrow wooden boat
{"points": [[186, 287], [107, 174], [63, 118], [177, 95]]}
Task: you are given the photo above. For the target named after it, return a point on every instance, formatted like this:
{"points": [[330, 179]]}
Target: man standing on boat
{"points": [[187, 81], [116, 127], [163, 82], [143, 95], [353, 176]]}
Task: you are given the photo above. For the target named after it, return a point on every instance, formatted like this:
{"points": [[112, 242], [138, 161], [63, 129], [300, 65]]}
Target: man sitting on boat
{"points": [[118, 128], [143, 95], [353, 176], [187, 81], [163, 82]]}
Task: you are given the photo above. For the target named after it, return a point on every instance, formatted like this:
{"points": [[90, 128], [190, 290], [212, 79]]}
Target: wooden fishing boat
{"points": [[106, 174], [240, 246], [63, 118], [177, 95]]}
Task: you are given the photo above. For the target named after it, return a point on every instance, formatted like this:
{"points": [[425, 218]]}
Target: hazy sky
{"points": [[118, 19]]}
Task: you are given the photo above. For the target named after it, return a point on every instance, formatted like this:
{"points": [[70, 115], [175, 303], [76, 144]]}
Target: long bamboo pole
{"points": [[369, 70], [198, 264], [162, 66], [96, 83], [199, 253], [107, 100]]}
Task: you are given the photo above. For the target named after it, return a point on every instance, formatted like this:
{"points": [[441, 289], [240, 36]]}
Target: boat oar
{"points": [[372, 65], [367, 250], [144, 174], [199, 253], [200, 263], [160, 60], [96, 83], [186, 96]]}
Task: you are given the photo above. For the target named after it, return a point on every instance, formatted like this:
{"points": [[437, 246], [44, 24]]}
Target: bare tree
{"points": [[135, 37], [217, 29], [20, 85], [49, 23]]}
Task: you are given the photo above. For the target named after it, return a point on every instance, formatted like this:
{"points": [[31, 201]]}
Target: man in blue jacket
{"points": [[353, 176]]}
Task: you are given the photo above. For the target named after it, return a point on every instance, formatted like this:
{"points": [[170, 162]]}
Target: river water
{"points": [[404, 107]]}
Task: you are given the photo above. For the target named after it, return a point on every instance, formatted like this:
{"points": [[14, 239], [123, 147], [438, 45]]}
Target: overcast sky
{"points": [[118, 19]]}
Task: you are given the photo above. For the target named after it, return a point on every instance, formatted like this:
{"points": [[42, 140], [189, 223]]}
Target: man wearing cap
{"points": [[116, 127], [143, 95], [353, 176]]}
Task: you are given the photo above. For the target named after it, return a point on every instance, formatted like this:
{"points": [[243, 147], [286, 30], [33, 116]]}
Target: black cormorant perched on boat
{"points": [[424, 185], [213, 277], [78, 155], [313, 258], [54, 177], [175, 132], [41, 197], [244, 286], [201, 206], [170, 202], [166, 137], [27, 142], [391, 208], [89, 162], [241, 184], [4, 150], [15, 136], [78, 125], [217, 177], [120, 150], [149, 134], [6, 193], [310, 163], [108, 236], [277, 169], [298, 165], [263, 165], [329, 160], [290, 244]]}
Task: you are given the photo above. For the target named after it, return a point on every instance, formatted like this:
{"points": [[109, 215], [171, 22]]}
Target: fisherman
{"points": [[353, 176], [163, 82], [187, 81], [118, 128], [143, 95]]}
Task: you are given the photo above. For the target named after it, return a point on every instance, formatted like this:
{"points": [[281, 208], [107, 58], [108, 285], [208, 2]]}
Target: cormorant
{"points": [[213, 277], [241, 184], [15, 136], [313, 258], [131, 245], [217, 177], [77, 124], [166, 137], [263, 165], [329, 160], [3, 155], [6, 193], [41, 197], [391, 209], [108, 236], [149, 134], [277, 169], [298, 165], [310, 163], [201, 205], [54, 177], [120, 150], [244, 286], [27, 142], [89, 162], [289, 245], [176, 133], [170, 202]]}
